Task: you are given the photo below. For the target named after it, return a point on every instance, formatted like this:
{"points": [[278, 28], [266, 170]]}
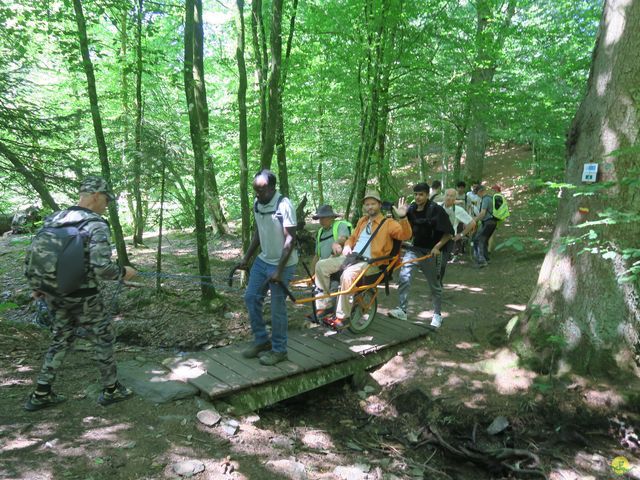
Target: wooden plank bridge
{"points": [[317, 357]]}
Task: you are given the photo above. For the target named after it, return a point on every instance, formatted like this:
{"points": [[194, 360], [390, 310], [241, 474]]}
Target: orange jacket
{"points": [[382, 243]]}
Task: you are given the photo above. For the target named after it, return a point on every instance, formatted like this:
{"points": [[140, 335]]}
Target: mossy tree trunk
{"points": [[580, 317], [123, 258]]}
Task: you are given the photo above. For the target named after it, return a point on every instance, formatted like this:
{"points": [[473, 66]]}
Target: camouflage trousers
{"points": [[89, 314]]}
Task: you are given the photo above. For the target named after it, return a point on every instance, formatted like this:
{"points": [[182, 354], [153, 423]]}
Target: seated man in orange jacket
{"points": [[367, 241]]}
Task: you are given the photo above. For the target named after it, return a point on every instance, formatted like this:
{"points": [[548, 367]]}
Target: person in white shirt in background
{"points": [[473, 200], [458, 216]]}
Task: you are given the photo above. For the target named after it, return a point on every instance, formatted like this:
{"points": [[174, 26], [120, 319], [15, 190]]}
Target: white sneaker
{"points": [[436, 321], [398, 313]]}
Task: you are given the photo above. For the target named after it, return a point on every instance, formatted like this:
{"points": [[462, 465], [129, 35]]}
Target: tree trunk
{"points": [[124, 97], [489, 44], [202, 113], [160, 223], [35, 182], [138, 219], [260, 54], [242, 129], [266, 154], [424, 169], [320, 187], [579, 313], [281, 149], [207, 290], [123, 258]]}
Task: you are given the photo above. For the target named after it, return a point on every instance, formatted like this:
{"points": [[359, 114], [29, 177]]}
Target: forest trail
{"points": [[415, 417]]}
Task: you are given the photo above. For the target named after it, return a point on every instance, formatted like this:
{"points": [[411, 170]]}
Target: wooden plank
{"points": [[329, 348], [304, 349], [251, 369], [213, 386], [268, 394], [235, 351], [334, 342], [401, 329], [369, 341], [306, 362]]}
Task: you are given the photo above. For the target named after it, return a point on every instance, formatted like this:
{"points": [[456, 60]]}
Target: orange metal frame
{"points": [[393, 265]]}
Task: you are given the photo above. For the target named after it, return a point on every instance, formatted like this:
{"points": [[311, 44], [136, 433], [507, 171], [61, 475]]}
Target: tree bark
{"points": [[202, 112], [579, 313], [208, 292], [138, 218], [281, 148], [260, 53], [242, 129], [160, 225], [275, 41], [123, 258], [489, 44]]}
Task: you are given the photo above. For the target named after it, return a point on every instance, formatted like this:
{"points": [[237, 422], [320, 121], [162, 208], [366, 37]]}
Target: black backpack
{"points": [[56, 261]]}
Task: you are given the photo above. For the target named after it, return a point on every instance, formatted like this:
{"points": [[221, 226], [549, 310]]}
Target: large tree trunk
{"points": [[260, 54], [266, 155], [123, 258], [242, 130], [490, 36], [580, 313], [281, 147], [202, 112], [138, 218], [207, 290]]}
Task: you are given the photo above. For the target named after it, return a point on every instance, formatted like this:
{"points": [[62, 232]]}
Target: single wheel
{"points": [[365, 306]]}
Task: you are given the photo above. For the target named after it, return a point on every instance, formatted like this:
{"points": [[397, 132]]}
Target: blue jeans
{"points": [[254, 299]]}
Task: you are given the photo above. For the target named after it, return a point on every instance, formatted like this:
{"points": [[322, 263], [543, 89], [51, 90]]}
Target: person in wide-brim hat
{"points": [[325, 211]]}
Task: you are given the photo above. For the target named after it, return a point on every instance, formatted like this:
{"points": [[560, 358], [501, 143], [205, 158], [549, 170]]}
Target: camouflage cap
{"points": [[93, 184]]}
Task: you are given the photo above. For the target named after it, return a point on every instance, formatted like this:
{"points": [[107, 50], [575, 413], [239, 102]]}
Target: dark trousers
{"points": [[447, 252], [481, 239]]}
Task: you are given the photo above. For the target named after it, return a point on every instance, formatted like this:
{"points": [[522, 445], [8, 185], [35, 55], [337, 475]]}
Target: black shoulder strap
{"points": [[255, 206], [371, 237]]}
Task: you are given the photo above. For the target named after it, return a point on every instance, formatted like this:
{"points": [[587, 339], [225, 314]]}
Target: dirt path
{"points": [[424, 414]]}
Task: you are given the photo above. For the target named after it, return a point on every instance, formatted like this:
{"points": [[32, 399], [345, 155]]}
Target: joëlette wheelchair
{"points": [[364, 288]]}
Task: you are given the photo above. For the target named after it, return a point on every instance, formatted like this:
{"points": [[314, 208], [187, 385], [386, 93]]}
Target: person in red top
{"points": [[368, 244]]}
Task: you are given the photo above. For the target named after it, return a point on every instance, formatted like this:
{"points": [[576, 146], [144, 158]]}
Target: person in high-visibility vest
{"points": [[331, 235]]}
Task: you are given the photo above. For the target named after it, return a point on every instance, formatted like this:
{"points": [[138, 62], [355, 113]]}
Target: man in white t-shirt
{"points": [[457, 216], [275, 234]]}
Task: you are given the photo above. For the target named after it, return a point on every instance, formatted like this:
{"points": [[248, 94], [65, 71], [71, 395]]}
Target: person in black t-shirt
{"points": [[431, 231]]}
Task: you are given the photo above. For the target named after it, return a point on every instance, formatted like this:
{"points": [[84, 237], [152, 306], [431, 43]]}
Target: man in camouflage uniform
{"points": [[83, 307]]}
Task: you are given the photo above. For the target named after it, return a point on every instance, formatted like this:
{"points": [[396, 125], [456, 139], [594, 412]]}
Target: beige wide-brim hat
{"points": [[372, 194]]}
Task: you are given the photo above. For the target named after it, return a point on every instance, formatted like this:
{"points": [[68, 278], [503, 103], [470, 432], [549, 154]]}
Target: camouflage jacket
{"points": [[98, 249]]}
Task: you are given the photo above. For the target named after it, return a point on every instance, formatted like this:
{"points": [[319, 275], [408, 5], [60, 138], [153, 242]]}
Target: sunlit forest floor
{"points": [[424, 414]]}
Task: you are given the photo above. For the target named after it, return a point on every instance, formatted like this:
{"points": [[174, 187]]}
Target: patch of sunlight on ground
{"points": [[394, 371], [18, 444], [36, 474], [14, 381], [508, 376], [503, 366], [458, 287], [109, 433], [593, 462], [513, 306], [376, 406], [602, 398]]}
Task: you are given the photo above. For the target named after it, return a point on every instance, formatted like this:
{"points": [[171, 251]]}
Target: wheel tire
{"points": [[361, 320]]}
